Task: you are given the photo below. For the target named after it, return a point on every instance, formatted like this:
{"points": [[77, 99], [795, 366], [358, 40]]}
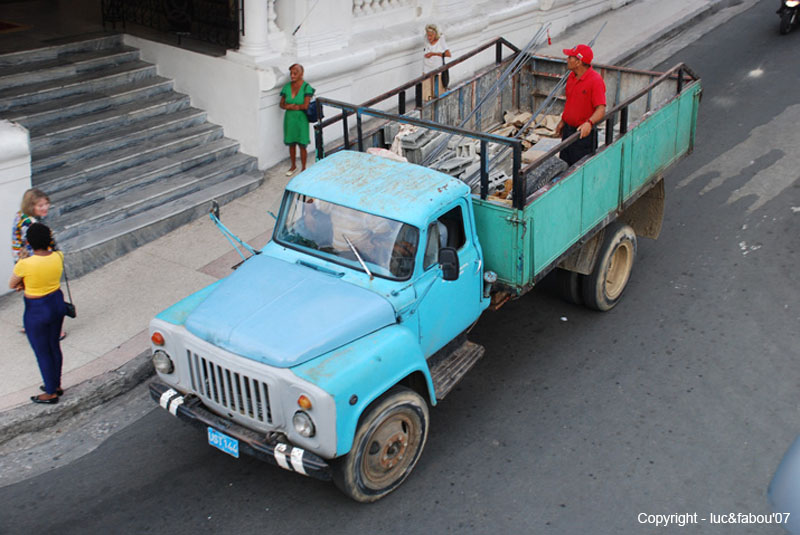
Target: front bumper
{"points": [[190, 409]]}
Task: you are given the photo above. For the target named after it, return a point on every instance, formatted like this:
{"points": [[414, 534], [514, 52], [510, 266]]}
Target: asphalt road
{"points": [[681, 400]]}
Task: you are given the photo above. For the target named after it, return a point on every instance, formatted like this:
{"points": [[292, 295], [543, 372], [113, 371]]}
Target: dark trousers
{"points": [[42, 320], [580, 148]]}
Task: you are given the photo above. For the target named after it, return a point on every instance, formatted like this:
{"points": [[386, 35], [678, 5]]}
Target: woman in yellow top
{"points": [[39, 276]]}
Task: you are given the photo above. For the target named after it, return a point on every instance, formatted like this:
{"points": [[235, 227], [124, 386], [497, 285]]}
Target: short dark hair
{"points": [[39, 237]]}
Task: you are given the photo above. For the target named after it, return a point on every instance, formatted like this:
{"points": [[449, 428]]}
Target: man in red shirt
{"points": [[585, 104]]}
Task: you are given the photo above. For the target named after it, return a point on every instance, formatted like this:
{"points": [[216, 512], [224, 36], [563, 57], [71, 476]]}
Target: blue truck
{"points": [[324, 352]]}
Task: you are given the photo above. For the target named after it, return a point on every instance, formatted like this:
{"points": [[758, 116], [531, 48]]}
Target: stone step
{"points": [[57, 132], [87, 82], [41, 113], [59, 178], [93, 191], [131, 202], [64, 66], [53, 51], [447, 370], [89, 250], [88, 146]]}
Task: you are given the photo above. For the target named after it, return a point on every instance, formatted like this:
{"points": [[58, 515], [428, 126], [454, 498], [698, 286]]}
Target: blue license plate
{"points": [[223, 442]]}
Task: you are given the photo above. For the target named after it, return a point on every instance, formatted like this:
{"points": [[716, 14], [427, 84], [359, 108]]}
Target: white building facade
{"points": [[351, 50]]}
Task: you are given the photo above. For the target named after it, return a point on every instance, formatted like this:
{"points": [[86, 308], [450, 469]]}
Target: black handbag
{"points": [[314, 111], [445, 76], [69, 306]]}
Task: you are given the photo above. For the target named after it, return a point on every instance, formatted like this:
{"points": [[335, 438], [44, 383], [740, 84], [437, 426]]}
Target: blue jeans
{"points": [[43, 319]]}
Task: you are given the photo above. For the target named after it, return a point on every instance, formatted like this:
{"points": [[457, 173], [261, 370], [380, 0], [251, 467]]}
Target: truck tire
{"points": [[603, 287], [569, 285], [387, 444]]}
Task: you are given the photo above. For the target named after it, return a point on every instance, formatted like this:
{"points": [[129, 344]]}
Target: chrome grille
{"points": [[230, 389]]}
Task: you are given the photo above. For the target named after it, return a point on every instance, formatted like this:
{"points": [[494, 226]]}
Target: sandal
{"points": [[59, 392]]}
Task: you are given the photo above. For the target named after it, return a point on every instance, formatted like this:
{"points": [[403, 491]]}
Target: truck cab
{"points": [[374, 268]]}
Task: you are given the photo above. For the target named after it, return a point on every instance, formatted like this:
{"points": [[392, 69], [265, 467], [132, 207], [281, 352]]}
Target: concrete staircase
{"points": [[123, 157]]}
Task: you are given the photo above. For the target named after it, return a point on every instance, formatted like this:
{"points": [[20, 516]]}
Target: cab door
{"points": [[447, 308]]}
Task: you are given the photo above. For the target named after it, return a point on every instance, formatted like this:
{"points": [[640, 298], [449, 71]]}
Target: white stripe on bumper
{"points": [[297, 460], [170, 400], [165, 397], [280, 456], [173, 407]]}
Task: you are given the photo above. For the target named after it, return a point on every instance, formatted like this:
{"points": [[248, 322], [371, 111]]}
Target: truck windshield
{"points": [[321, 228]]}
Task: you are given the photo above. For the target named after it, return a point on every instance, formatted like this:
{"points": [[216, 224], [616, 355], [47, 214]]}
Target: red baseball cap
{"points": [[582, 52]]}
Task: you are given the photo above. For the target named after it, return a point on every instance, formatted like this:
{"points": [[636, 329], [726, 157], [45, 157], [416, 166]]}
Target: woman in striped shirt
{"points": [[35, 205]]}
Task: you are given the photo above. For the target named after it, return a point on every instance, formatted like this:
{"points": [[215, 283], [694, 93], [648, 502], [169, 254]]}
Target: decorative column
{"points": [[255, 41]]}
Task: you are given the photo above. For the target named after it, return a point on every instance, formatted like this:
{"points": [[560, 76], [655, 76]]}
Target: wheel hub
{"points": [[389, 451], [619, 270], [394, 450]]}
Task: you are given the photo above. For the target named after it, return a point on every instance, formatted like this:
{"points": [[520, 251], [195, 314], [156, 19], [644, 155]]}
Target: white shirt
{"points": [[434, 62]]}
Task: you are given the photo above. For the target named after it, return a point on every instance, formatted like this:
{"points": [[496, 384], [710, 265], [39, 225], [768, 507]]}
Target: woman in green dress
{"points": [[295, 97]]}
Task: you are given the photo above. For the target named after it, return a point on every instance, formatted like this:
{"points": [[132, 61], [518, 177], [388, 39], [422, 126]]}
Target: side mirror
{"points": [[448, 260]]}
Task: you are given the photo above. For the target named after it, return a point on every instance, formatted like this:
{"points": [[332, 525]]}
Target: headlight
{"points": [[162, 362], [791, 3], [303, 424]]}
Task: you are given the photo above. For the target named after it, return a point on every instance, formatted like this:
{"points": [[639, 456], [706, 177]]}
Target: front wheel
{"points": [[388, 442], [603, 287], [786, 21]]}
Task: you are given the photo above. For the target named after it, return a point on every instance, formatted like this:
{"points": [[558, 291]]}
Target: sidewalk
{"points": [[106, 351]]}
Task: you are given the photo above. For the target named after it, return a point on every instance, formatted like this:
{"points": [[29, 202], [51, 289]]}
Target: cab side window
{"points": [[447, 231]]}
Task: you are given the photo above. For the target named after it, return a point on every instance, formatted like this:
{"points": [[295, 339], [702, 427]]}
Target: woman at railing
{"points": [[434, 53]]}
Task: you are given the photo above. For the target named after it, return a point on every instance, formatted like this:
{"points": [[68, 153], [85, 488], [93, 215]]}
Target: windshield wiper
{"points": [[358, 256]]}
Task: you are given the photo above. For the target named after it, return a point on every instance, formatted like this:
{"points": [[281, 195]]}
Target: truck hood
{"points": [[284, 314]]}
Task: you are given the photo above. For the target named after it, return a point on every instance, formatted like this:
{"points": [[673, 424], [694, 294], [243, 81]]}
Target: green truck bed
{"points": [[521, 245]]}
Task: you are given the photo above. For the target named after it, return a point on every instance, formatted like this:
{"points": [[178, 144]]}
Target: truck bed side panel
{"points": [[555, 221]]}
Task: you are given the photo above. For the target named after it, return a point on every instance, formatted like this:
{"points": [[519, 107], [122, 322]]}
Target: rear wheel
{"points": [[388, 442], [603, 287], [786, 21]]}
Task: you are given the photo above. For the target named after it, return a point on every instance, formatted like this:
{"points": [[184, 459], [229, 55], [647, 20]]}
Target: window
{"points": [[343, 235], [447, 231]]}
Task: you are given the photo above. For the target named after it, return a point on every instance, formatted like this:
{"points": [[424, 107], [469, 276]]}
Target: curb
{"points": [[82, 397]]}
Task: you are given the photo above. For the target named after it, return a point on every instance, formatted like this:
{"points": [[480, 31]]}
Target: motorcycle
{"points": [[789, 14]]}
